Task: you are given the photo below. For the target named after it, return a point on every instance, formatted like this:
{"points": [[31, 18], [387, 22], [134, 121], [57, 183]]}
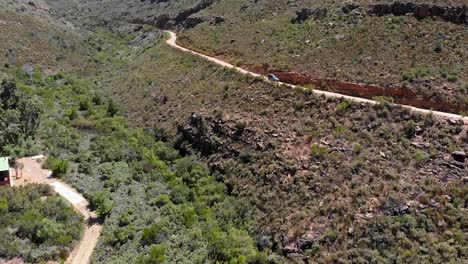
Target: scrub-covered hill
{"points": [[417, 45], [32, 38], [188, 162]]}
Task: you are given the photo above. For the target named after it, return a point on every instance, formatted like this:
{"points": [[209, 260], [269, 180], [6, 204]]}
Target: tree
{"points": [[19, 115], [18, 168], [30, 113], [101, 202], [9, 94]]}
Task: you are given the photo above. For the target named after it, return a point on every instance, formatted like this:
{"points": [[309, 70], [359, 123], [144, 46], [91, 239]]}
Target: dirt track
{"points": [[173, 39], [33, 173]]}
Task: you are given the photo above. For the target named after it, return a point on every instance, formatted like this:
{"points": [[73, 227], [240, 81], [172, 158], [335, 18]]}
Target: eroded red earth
{"points": [[403, 96]]}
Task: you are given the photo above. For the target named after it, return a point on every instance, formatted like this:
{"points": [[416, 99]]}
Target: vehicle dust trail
{"points": [[33, 173], [172, 42]]}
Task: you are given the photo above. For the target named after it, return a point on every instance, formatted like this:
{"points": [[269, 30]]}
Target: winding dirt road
{"points": [[33, 173], [172, 41]]}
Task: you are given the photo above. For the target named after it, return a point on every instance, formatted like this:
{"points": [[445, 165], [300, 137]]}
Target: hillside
{"points": [[315, 178], [34, 39], [414, 46], [188, 162]]}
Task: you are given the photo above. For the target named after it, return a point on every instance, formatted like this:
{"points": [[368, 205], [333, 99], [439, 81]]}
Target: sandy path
{"points": [[33, 173], [172, 42]]}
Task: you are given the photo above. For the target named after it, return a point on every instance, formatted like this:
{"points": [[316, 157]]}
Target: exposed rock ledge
{"points": [[453, 14]]}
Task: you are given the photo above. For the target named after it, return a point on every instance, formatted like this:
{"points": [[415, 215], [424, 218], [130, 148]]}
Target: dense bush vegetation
{"points": [[158, 206], [36, 224], [19, 120]]}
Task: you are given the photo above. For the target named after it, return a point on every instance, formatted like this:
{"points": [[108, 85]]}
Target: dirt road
{"points": [[172, 42], [33, 173]]}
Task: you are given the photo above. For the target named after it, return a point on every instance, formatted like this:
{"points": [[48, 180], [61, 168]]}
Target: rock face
{"points": [[187, 18], [307, 13], [459, 156], [182, 16], [454, 14]]}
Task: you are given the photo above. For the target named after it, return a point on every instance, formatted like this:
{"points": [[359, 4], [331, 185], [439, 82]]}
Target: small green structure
{"points": [[4, 171]]}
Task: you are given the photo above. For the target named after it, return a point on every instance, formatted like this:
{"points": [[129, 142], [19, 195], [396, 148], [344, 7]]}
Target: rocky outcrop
{"points": [[182, 16], [192, 22], [162, 22], [186, 18], [454, 14], [198, 134], [307, 13]]}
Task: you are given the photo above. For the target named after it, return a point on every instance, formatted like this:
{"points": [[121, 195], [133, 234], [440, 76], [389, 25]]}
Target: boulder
{"points": [[401, 209], [218, 19], [421, 11], [349, 8], [307, 13], [459, 156]]}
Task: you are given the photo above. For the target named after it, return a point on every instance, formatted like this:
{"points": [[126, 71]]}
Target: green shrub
{"points": [[48, 229], [318, 151], [100, 202], [452, 78], [343, 106], [97, 100], [357, 148], [156, 233], [112, 108], [157, 254], [410, 128], [59, 167], [162, 200], [84, 104], [463, 88], [298, 106], [72, 114], [241, 125], [420, 157], [3, 206]]}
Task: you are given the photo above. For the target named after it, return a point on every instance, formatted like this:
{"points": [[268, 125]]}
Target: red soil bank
{"points": [[404, 96]]}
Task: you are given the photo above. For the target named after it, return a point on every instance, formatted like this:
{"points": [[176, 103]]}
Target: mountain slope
{"points": [[261, 173], [33, 38], [418, 45]]}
